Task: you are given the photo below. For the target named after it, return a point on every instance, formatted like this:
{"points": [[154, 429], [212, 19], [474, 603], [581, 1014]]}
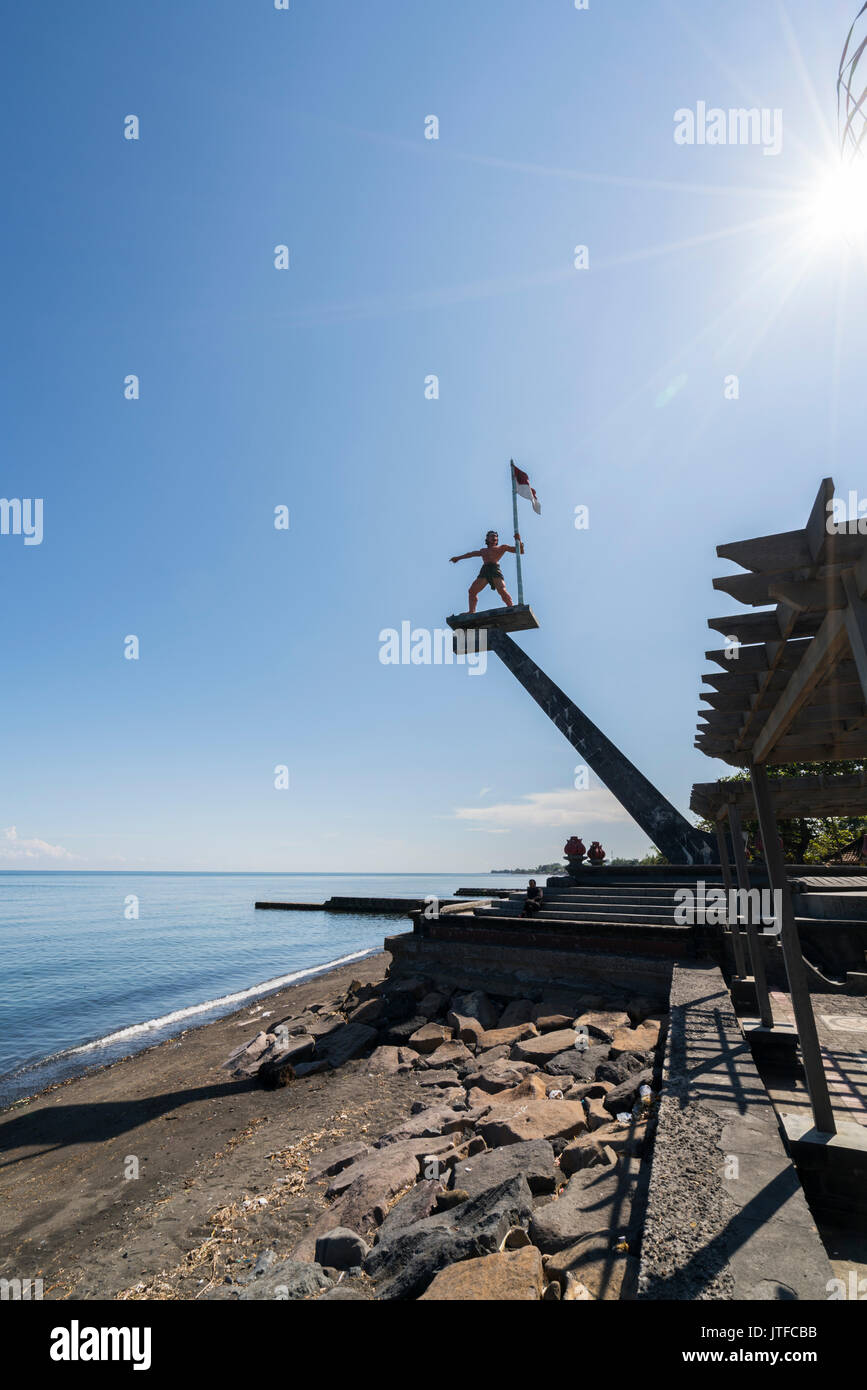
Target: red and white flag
{"points": [[523, 489]]}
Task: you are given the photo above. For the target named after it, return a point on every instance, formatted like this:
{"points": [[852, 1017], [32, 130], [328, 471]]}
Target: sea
{"points": [[97, 966]]}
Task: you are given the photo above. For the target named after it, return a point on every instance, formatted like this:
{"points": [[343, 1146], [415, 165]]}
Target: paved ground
{"points": [[841, 1022], [726, 1214]]}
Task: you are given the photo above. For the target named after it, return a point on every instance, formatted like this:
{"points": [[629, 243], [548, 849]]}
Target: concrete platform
{"points": [[726, 1214], [833, 1168], [519, 618], [379, 907], [841, 1023], [772, 1047]]}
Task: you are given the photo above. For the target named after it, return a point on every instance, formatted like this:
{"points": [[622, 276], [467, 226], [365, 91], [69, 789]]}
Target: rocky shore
{"points": [[370, 1138], [518, 1169]]}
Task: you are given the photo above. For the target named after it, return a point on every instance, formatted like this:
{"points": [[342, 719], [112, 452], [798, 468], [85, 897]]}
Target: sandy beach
{"points": [[204, 1143]]}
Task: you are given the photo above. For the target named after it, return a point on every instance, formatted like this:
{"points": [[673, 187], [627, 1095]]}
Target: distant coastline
{"points": [[539, 869]]}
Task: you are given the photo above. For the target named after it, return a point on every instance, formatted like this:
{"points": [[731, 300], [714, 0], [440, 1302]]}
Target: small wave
{"points": [[223, 1003]]}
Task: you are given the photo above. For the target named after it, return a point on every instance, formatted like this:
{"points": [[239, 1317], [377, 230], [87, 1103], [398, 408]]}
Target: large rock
{"points": [[433, 1120], [602, 1023], [594, 1263], [597, 1115], [468, 1030], [506, 1037], [413, 1206], [579, 1063], [391, 1168], [401, 999], [290, 1279], [533, 1087], [595, 1201], [279, 1069], [620, 1069], [405, 1263], [499, 1075], [581, 1090], [644, 1038], [429, 1037], [449, 1054], [640, 1008], [399, 1034], [555, 1011], [455, 1097], [246, 1059], [532, 1119], [340, 1248], [509, 1276], [432, 1004], [476, 1005], [516, 1011], [624, 1096], [479, 1100], [534, 1159], [629, 1140], [332, 1161], [542, 1048], [387, 1061], [487, 1056], [311, 1068], [318, 1023], [430, 1080], [585, 1152], [369, 1011], [348, 1291], [345, 1043]]}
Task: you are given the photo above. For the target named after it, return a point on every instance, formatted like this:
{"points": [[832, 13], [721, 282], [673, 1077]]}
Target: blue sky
{"points": [[305, 387]]}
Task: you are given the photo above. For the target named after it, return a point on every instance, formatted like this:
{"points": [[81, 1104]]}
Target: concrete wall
{"points": [[515, 970]]}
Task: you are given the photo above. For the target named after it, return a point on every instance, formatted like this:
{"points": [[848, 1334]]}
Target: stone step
{"points": [[651, 919], [588, 899], [591, 905], [607, 891], [652, 937]]}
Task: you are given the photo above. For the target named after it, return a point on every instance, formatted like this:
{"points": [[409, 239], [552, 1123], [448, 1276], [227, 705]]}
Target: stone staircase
{"points": [[630, 904]]}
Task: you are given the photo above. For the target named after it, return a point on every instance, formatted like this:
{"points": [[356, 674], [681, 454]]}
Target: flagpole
{"points": [[515, 519]]}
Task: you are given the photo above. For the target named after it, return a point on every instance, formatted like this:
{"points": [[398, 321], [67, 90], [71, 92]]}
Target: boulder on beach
{"points": [[507, 1276]]}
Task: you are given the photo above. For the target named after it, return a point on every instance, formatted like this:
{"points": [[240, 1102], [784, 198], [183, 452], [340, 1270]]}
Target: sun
{"points": [[836, 206]]}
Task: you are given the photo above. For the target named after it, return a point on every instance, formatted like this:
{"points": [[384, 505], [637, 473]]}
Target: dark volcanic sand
{"points": [[68, 1214]]}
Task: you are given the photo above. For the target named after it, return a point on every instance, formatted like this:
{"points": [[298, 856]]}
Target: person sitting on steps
{"points": [[533, 900]]}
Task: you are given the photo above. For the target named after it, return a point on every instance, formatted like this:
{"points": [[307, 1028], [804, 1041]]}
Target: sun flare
{"points": [[837, 206]]}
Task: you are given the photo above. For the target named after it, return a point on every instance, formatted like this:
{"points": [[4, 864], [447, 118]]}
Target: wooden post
{"points": [[805, 1022], [738, 945], [757, 960]]}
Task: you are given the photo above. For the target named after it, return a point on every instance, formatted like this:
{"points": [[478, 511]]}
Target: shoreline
{"points": [[234, 1003], [69, 1213]]}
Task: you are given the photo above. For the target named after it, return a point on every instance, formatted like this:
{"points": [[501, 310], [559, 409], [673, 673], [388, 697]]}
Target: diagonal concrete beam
{"points": [[680, 842]]}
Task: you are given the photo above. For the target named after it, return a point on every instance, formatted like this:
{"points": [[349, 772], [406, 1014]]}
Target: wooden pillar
{"points": [[805, 1022], [737, 943], [757, 960]]}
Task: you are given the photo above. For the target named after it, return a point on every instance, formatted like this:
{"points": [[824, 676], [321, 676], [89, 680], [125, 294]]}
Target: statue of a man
{"points": [[491, 554]]}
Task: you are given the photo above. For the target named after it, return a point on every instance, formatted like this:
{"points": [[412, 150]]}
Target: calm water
{"points": [[80, 985]]}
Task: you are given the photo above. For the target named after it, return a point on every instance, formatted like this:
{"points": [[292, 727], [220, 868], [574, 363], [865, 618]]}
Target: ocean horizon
{"points": [[93, 973]]}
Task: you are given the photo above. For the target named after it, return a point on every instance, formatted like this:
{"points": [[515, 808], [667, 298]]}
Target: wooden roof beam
{"points": [[818, 660]]}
